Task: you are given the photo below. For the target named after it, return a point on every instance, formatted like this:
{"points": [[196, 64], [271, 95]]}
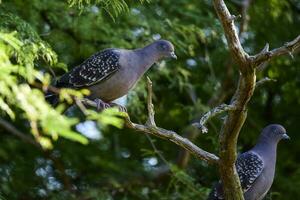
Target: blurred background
{"points": [[84, 159]]}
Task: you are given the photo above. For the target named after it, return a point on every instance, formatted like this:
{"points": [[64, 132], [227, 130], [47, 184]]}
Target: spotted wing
{"points": [[249, 166], [95, 69]]}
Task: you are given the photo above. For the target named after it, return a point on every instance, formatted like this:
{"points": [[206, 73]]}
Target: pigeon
{"points": [[256, 167], [111, 73]]}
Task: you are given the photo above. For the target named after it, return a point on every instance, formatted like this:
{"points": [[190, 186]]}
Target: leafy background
{"points": [[86, 160]]}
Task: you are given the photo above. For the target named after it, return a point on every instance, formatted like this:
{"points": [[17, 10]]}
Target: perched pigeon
{"points": [[111, 73], [256, 167]]}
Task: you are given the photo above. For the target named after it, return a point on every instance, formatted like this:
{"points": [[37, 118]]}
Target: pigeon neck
{"points": [[147, 57], [266, 147]]}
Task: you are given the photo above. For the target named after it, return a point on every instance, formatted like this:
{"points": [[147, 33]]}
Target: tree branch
{"points": [[263, 81], [226, 86], [150, 121], [246, 86], [227, 20], [175, 138], [151, 128], [287, 48], [236, 118]]}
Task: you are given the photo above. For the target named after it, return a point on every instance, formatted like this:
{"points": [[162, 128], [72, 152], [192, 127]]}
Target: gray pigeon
{"points": [[256, 167], [111, 73]]}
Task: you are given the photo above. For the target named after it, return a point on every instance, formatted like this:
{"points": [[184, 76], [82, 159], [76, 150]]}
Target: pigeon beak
{"points": [[173, 55], [285, 137]]}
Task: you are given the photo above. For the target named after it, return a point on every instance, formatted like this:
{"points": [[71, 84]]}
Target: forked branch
{"points": [[150, 128], [288, 48]]}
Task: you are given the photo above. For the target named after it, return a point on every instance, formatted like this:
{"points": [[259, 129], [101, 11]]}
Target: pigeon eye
{"points": [[162, 47]]}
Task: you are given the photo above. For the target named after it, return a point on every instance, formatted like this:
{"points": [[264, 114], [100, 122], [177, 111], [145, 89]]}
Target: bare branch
{"points": [[263, 81], [230, 31], [172, 136], [287, 48], [151, 120], [175, 138], [212, 113], [151, 128]]}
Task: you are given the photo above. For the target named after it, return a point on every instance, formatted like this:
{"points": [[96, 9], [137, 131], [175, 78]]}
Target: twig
{"points": [[212, 113], [263, 81], [46, 88], [151, 113], [81, 106], [53, 73]]}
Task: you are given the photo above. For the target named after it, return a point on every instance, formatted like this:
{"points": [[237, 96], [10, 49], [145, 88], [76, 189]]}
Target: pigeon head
{"points": [[165, 49], [274, 132]]}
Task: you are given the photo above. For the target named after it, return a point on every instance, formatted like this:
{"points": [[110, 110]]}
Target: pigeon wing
{"points": [[94, 70], [249, 166]]}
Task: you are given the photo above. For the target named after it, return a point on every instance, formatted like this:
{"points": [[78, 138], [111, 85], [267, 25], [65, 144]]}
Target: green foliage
{"points": [[109, 116], [16, 93], [185, 187], [40, 38], [112, 7]]}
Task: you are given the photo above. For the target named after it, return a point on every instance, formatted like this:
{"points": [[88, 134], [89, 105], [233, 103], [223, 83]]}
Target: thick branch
{"points": [[227, 83], [287, 48], [229, 136], [231, 34], [236, 118]]}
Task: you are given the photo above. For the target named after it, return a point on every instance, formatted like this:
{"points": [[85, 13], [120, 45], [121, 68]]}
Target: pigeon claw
{"points": [[101, 105], [121, 108]]}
